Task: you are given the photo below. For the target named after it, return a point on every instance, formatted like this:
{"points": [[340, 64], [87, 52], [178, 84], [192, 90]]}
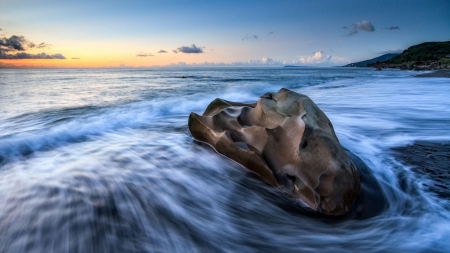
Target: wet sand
{"points": [[437, 73], [430, 160]]}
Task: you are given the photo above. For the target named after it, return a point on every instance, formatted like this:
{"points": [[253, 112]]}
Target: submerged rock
{"points": [[286, 140]]}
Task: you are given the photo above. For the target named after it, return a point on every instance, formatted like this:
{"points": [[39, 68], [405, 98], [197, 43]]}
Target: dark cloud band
{"points": [[23, 55], [190, 50]]}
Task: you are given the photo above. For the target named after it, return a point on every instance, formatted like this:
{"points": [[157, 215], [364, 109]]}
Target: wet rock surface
{"points": [[288, 142], [430, 160]]}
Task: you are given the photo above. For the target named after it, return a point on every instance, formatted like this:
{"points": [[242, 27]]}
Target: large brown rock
{"points": [[286, 140]]}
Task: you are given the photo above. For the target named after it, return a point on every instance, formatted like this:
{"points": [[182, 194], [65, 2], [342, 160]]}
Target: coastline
{"points": [[438, 68], [436, 73]]}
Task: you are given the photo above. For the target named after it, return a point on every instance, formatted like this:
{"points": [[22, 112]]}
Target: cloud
{"points": [[19, 43], [361, 26], [121, 65], [260, 62], [392, 28], [263, 61], [179, 64], [250, 37], [318, 58], [364, 26], [352, 32], [162, 51], [43, 45], [175, 51], [143, 55], [393, 51], [13, 43], [39, 46], [23, 55], [190, 50]]}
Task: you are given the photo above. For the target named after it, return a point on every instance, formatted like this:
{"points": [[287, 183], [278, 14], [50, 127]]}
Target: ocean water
{"points": [[101, 160]]}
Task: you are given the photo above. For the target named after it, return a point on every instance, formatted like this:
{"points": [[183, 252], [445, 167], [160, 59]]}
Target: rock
{"points": [[286, 140]]}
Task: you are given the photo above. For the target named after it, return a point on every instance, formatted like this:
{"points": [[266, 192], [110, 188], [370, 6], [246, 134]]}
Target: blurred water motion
{"points": [[102, 161]]}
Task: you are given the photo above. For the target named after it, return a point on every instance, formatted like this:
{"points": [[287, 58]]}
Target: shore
{"points": [[440, 68], [437, 73], [430, 160]]}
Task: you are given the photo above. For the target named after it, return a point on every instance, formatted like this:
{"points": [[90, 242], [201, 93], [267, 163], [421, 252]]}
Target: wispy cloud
{"points": [[175, 51], [360, 26], [41, 45], [191, 50], [24, 55], [162, 51], [392, 28], [250, 37], [352, 32], [144, 55]]}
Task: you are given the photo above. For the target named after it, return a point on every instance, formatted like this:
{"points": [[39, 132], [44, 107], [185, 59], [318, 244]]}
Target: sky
{"points": [[138, 33]]}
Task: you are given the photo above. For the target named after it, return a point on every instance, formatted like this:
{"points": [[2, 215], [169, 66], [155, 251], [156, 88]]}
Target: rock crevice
{"points": [[286, 140]]}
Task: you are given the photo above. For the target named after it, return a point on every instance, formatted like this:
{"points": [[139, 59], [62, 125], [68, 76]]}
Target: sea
{"points": [[101, 160]]}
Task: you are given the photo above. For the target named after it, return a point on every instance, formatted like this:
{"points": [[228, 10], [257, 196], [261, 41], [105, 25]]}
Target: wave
{"points": [[53, 128], [126, 176]]}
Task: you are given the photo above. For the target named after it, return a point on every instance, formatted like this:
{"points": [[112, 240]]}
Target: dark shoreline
{"points": [[430, 160], [436, 73]]}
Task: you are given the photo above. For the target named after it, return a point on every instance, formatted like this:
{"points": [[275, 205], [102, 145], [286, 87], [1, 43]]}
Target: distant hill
{"points": [[428, 51], [382, 58]]}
